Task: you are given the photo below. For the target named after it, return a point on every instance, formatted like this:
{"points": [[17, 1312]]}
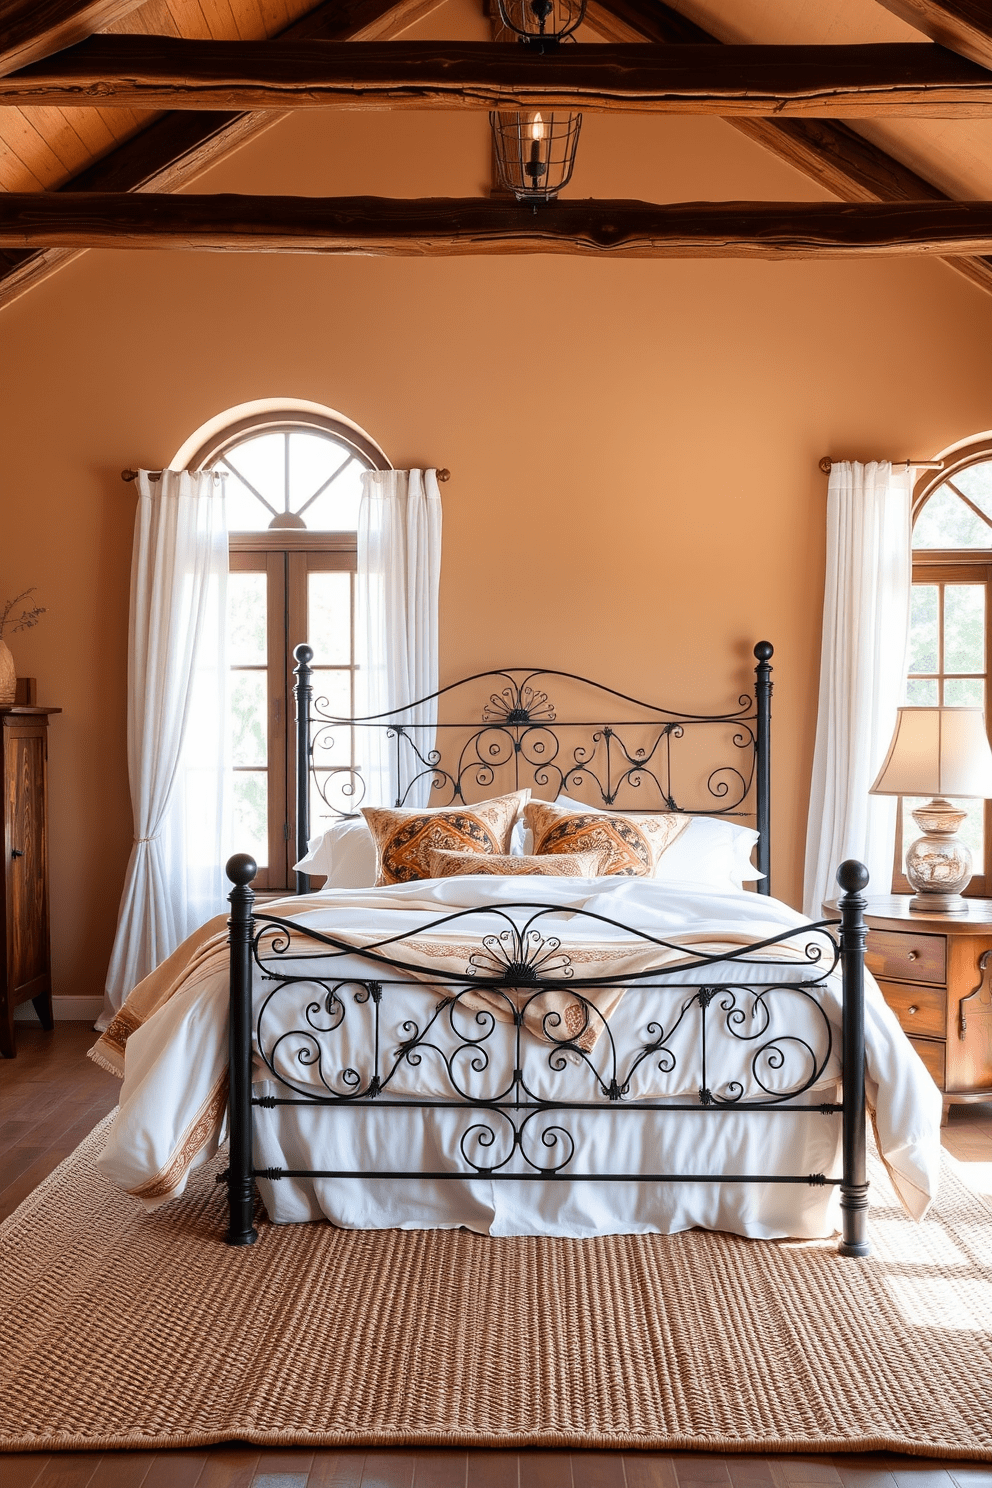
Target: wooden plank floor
{"points": [[51, 1096]]}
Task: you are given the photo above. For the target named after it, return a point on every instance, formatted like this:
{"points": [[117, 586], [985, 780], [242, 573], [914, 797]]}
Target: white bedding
{"points": [[174, 1061]]}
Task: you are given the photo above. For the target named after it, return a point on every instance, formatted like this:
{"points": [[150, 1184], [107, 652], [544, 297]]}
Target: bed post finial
{"points": [[764, 651], [241, 870], [853, 877], [303, 693]]}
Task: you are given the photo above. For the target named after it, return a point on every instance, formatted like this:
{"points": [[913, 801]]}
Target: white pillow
{"points": [[711, 850], [345, 854]]}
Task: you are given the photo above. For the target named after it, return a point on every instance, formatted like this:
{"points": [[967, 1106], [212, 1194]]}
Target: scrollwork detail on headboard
{"points": [[519, 737]]}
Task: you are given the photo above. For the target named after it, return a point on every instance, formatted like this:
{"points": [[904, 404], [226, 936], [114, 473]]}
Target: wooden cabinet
{"points": [[26, 967], [935, 972]]}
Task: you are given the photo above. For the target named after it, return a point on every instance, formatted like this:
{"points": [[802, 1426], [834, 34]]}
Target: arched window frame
{"points": [[954, 566], [288, 557]]}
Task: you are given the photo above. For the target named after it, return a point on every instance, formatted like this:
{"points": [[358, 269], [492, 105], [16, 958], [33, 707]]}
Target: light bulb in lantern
{"points": [[536, 166]]}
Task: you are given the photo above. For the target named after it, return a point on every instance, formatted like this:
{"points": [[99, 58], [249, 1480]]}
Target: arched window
{"points": [[950, 641], [293, 482]]}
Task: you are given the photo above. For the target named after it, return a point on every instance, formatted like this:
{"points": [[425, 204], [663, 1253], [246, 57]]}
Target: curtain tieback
{"points": [[153, 838]]}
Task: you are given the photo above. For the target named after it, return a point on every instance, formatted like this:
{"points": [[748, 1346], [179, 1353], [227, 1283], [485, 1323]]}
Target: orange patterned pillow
{"points": [[404, 834], [628, 844], [445, 864]]}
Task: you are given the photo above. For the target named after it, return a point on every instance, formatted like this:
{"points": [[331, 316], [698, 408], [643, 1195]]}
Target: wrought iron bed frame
{"points": [[519, 966]]}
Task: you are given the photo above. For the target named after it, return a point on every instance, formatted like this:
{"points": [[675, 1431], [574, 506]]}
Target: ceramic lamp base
{"points": [[938, 864]]}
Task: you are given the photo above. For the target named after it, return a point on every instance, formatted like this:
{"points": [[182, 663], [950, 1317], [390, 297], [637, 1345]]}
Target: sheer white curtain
{"points": [[176, 693], [399, 568], [862, 670]]}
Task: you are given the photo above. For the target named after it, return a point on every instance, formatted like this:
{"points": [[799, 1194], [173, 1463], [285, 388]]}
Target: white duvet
{"points": [[175, 1061]]}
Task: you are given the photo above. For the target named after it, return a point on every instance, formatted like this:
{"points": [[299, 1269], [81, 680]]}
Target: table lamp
{"points": [[938, 752]]}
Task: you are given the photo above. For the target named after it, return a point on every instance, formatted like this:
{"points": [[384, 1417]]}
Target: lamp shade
{"points": [[937, 752]]}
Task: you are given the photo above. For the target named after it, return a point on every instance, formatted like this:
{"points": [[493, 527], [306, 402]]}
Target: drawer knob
{"points": [[913, 955], [913, 1008]]}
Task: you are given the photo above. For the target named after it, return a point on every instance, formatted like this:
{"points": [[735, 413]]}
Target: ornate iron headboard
{"points": [[516, 739]]}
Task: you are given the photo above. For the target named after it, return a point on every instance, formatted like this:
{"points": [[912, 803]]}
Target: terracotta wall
{"points": [[633, 447]]}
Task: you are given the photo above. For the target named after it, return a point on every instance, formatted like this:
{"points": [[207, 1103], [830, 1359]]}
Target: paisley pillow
{"points": [[404, 834], [629, 844], [446, 864]]}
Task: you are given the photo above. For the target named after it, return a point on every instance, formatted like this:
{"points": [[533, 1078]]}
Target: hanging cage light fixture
{"points": [[535, 152], [542, 23]]}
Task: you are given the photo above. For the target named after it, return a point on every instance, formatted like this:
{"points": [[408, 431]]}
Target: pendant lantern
{"points": [[535, 152], [542, 23]]}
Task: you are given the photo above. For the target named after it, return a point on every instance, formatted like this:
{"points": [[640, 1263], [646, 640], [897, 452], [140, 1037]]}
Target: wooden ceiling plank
{"points": [[32, 29], [177, 147], [189, 20], [15, 174], [222, 20], [56, 128], [152, 18], [29, 146], [875, 81], [92, 127], [963, 26], [825, 151], [473, 226]]}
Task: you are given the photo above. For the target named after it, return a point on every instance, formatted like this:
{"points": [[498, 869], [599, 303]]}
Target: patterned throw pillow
{"points": [[628, 844], [404, 834], [445, 864]]}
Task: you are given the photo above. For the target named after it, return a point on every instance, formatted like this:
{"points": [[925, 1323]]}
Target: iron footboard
{"points": [[519, 986]]}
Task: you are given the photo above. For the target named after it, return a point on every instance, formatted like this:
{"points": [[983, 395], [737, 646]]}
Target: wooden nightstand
{"points": [[26, 964], [935, 972]]}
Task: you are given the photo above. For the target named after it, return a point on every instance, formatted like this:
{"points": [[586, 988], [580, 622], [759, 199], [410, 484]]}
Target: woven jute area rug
{"points": [[125, 1330]]}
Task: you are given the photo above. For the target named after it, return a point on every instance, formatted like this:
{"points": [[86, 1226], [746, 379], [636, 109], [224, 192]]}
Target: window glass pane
{"points": [[946, 522], [964, 628], [337, 509], [329, 618], [313, 460], [976, 483], [964, 692], [332, 692], [249, 735], [923, 629], [972, 831], [245, 513], [313, 475], [246, 619], [261, 459], [922, 692], [251, 814]]}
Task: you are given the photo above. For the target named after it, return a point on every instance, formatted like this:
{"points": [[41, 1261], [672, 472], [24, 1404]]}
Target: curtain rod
{"points": [[154, 475], [826, 464]]}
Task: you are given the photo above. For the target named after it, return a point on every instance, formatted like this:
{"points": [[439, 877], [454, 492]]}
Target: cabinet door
{"points": [[27, 911]]}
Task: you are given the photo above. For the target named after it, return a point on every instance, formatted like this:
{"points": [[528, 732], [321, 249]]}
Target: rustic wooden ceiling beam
{"points": [[32, 29], [178, 147], [444, 227], [875, 81], [963, 26], [824, 150]]}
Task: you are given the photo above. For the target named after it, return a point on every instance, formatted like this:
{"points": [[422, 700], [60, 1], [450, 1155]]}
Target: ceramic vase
{"points": [[8, 676]]}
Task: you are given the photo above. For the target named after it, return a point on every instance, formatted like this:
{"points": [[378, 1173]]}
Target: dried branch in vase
{"points": [[25, 620]]}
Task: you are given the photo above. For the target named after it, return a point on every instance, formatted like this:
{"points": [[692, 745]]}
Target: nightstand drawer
{"points": [[907, 957], [932, 1054], [920, 1010]]}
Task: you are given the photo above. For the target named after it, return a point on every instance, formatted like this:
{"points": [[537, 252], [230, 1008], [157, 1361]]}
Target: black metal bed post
{"points": [[303, 693], [764, 651], [852, 877], [241, 870]]}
